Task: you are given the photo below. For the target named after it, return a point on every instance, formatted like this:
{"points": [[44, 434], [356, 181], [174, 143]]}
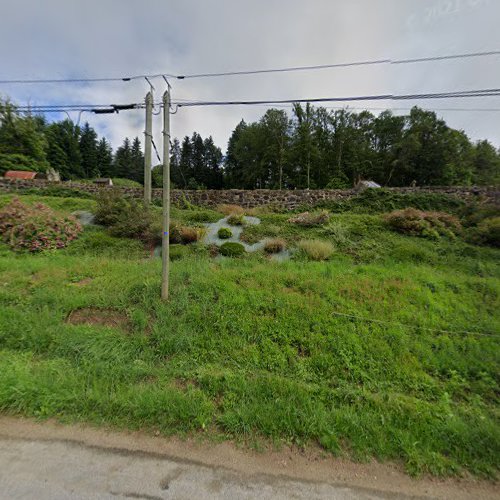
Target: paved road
{"points": [[57, 470]]}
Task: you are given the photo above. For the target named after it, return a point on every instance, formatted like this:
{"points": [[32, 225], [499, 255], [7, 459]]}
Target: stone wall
{"points": [[253, 198]]}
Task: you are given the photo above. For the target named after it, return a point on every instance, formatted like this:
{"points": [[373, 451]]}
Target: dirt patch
{"points": [[96, 316], [310, 465]]}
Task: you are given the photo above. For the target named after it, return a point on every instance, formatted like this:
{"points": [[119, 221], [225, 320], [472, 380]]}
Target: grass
{"points": [[252, 349]]}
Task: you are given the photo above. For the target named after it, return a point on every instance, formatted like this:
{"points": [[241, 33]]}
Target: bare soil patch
{"points": [[97, 316]]}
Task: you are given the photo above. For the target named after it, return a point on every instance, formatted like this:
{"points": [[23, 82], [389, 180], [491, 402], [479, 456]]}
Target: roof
{"points": [[19, 174], [368, 184]]}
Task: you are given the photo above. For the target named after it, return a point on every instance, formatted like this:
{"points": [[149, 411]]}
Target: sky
{"points": [[116, 38]]}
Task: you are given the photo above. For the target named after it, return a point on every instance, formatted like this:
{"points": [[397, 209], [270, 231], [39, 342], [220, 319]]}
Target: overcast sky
{"points": [[101, 38]]}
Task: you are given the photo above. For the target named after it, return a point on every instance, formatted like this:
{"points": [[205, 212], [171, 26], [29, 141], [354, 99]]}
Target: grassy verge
{"points": [[253, 349]]}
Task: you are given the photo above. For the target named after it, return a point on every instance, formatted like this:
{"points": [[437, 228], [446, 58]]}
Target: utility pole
{"points": [[148, 138], [165, 250]]}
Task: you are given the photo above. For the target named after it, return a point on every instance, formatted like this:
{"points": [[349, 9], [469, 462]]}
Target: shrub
{"points": [[426, 224], [189, 235], [230, 209], [224, 233], [316, 249], [36, 228], [201, 216], [125, 217], [232, 249], [488, 232], [183, 234], [307, 219], [236, 219], [275, 245]]}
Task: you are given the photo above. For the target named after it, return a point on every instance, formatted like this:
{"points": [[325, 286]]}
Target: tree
{"points": [[89, 152], [122, 164], [23, 135], [104, 158], [64, 149], [137, 161]]}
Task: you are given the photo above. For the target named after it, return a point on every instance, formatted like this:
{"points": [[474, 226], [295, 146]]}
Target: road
{"points": [[49, 461]]}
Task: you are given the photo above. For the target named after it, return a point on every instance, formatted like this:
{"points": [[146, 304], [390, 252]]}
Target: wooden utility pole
{"points": [[165, 251], [148, 140]]}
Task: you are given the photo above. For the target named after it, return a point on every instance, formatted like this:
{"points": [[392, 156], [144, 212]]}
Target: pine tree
{"points": [[137, 162], [122, 165], [88, 151], [64, 149], [105, 158]]}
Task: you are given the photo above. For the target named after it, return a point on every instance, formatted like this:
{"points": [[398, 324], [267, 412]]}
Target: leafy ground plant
{"points": [[36, 228]]}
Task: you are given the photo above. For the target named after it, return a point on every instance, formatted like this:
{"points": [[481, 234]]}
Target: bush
{"points": [[236, 219], [232, 249], [183, 234], [125, 217], [316, 249], [307, 219], [488, 232], [275, 245], [224, 233], [201, 216], [230, 209], [36, 228], [426, 224]]}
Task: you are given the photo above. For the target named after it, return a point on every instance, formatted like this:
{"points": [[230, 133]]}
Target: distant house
{"points": [[366, 184], [20, 174], [104, 182]]}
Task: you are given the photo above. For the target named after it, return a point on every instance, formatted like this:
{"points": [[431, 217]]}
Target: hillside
{"points": [[389, 349]]}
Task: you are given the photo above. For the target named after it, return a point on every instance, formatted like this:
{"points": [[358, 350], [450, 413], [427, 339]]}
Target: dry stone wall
{"points": [[252, 198]]}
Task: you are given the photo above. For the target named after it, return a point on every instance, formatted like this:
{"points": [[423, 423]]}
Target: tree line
{"points": [[312, 147]]}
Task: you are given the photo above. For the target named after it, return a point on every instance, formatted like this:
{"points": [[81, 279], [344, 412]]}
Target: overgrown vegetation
{"points": [[316, 249], [388, 349], [36, 228], [427, 224]]}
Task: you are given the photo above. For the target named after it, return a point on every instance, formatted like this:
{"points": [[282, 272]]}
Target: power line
{"points": [[255, 71], [380, 97], [341, 65]]}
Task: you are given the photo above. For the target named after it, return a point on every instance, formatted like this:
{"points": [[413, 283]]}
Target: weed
{"points": [[316, 249], [236, 219], [231, 209], [275, 245]]}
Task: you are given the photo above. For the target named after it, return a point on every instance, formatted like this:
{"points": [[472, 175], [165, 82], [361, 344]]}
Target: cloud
{"points": [[61, 39]]}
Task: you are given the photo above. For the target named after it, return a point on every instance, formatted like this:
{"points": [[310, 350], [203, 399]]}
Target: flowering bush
{"points": [[427, 224], [36, 228]]}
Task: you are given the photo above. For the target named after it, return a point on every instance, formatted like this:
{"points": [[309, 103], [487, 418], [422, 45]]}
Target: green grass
{"points": [[252, 349]]}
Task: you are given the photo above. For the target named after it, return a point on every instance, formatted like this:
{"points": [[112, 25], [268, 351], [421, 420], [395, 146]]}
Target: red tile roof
{"points": [[19, 174]]}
